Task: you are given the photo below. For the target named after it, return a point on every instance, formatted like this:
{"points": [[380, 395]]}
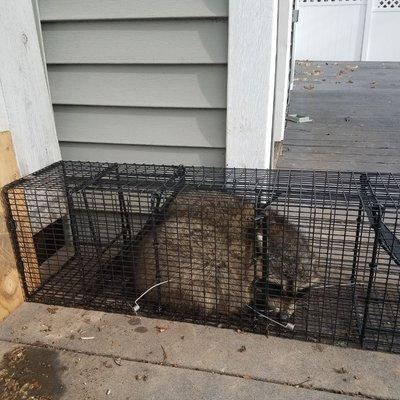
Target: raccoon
{"points": [[293, 268], [208, 248]]}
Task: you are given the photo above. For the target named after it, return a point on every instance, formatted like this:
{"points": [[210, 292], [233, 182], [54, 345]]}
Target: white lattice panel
{"points": [[331, 2], [383, 29], [387, 5]]}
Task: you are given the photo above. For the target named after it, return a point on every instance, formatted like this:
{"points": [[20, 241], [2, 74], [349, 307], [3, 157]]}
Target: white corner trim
{"points": [[282, 80], [26, 99], [251, 82]]}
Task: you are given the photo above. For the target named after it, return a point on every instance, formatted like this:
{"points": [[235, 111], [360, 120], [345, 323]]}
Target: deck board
{"points": [[355, 109]]}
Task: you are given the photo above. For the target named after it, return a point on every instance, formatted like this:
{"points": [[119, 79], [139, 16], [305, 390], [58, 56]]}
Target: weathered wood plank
{"points": [[368, 140], [338, 166], [336, 150], [11, 295]]}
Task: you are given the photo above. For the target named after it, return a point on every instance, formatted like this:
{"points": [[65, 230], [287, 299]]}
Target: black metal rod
{"points": [[265, 259], [372, 271], [356, 245], [71, 212]]}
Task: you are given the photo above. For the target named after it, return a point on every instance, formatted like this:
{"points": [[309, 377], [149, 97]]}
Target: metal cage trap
{"points": [[309, 255]]}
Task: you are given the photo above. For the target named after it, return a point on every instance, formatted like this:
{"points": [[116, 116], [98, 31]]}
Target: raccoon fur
{"points": [[207, 246]]}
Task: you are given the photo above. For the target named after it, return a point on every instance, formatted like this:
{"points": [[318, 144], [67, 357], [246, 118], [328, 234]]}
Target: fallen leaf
{"points": [[242, 349], [118, 361], [353, 67], [341, 370], [161, 328], [247, 376], [35, 384], [319, 347], [52, 310], [46, 328]]}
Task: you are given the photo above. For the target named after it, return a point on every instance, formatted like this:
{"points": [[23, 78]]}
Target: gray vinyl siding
{"points": [[136, 42], [138, 81], [64, 10], [178, 86]]}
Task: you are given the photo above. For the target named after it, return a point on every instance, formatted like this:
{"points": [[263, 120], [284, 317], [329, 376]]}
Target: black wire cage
{"points": [[302, 254]]}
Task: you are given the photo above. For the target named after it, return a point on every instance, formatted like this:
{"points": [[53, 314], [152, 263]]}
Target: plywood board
{"points": [[11, 295]]}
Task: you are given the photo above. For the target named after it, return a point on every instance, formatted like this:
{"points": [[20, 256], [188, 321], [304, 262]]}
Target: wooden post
{"points": [[251, 82], [28, 138], [10, 289]]}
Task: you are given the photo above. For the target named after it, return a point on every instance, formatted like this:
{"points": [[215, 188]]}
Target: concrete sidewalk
{"points": [[61, 353]]}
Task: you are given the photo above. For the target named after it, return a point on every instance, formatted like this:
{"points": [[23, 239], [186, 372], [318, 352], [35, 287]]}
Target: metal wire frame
{"points": [[303, 254]]}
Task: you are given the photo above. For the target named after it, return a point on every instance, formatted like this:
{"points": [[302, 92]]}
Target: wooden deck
{"points": [[355, 109]]}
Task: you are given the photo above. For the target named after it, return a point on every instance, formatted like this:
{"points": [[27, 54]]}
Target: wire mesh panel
{"points": [[309, 255]]}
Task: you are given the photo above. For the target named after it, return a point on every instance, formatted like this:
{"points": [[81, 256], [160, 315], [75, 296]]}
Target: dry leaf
{"points": [[247, 376], [141, 377], [52, 310], [35, 384], [161, 328], [341, 370]]}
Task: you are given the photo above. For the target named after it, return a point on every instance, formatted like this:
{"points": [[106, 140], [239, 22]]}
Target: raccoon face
{"points": [[279, 299], [292, 268]]}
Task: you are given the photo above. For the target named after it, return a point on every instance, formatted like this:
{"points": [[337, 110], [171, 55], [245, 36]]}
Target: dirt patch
{"points": [[134, 321], [31, 373]]}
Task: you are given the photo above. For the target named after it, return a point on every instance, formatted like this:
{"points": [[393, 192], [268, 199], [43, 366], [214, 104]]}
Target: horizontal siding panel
{"points": [[140, 42], [125, 125], [143, 154], [187, 86], [55, 10]]}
